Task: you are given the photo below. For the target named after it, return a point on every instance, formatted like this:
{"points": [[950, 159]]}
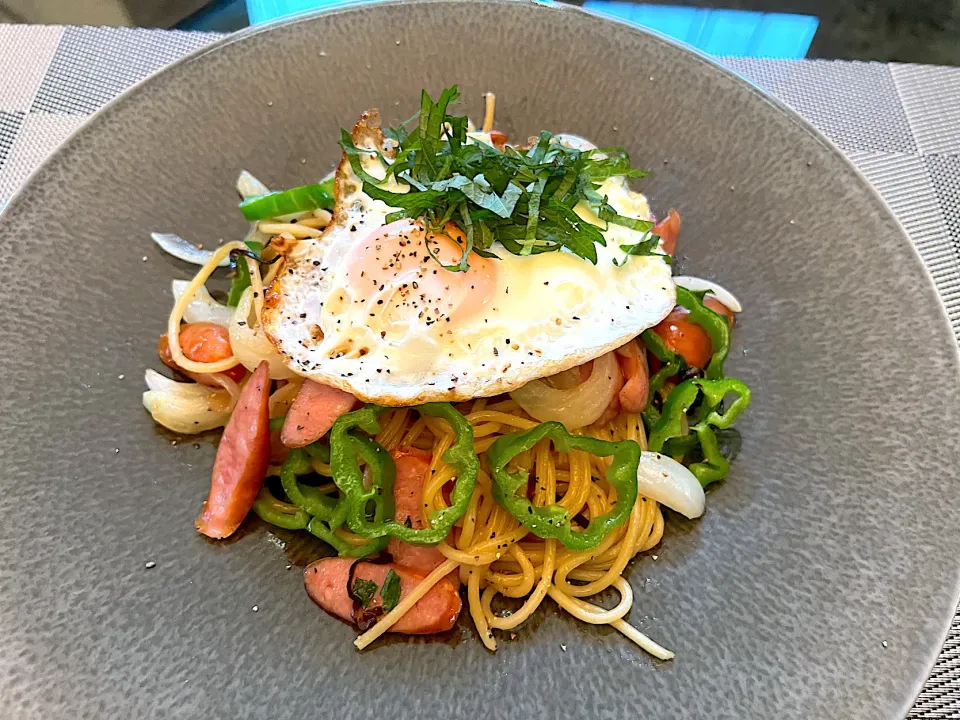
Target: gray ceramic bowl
{"points": [[837, 529]]}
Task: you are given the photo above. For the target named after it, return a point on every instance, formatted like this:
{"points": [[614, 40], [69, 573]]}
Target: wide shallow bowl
{"points": [[836, 531]]}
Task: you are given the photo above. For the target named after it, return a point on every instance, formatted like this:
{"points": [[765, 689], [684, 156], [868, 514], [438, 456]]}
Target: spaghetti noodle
{"points": [[495, 555]]}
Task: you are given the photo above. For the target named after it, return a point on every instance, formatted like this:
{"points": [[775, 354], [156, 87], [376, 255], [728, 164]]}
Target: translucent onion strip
{"points": [[282, 398], [203, 308], [575, 407], [249, 186], [663, 479], [187, 408], [188, 252], [251, 344]]}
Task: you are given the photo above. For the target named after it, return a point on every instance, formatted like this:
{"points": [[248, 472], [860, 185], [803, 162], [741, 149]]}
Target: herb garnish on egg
{"points": [[523, 199]]}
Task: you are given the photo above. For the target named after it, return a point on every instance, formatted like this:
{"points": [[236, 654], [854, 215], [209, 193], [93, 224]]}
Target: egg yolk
{"points": [[404, 290]]}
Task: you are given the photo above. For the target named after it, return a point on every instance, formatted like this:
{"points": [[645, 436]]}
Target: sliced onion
{"points": [[575, 407], [695, 284], [186, 408], [249, 186], [182, 250], [250, 344], [575, 141], [566, 379], [203, 308], [282, 398], [215, 380], [663, 479]]}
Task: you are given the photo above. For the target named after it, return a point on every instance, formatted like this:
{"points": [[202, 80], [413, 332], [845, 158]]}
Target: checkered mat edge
{"points": [[900, 124]]}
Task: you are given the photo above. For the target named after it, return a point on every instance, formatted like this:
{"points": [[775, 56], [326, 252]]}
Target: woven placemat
{"points": [[900, 124]]}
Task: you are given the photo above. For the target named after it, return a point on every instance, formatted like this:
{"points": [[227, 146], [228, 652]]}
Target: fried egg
{"points": [[365, 307]]}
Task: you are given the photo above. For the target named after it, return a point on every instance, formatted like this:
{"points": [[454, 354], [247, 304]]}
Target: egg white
{"points": [[548, 313]]}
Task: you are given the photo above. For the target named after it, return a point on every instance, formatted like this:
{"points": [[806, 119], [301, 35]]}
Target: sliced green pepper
{"points": [[311, 510], [241, 281], [370, 508], [322, 530], [716, 327], [279, 513], [553, 521], [313, 502], [318, 451], [714, 392], [669, 428], [714, 465], [672, 362], [294, 200], [670, 424], [680, 446]]}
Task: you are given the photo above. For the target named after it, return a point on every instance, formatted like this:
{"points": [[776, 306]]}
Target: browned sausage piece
{"points": [[202, 342], [413, 466], [313, 413], [437, 611], [633, 366], [241, 462]]}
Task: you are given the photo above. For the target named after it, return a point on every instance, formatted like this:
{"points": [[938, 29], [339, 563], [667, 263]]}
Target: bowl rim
{"points": [[795, 118]]}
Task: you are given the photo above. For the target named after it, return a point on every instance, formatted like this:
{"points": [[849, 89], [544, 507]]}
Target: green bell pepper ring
{"points": [[321, 529], [714, 465], [318, 451], [716, 327], [714, 392], [672, 362], [276, 512], [377, 499], [310, 500], [311, 510], [554, 521], [680, 446], [670, 424], [365, 506], [294, 200]]}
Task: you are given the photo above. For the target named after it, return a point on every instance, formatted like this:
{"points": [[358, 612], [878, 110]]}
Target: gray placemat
{"points": [[900, 124]]}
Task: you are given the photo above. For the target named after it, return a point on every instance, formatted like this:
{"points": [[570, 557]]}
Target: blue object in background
{"points": [[216, 16], [736, 33], [263, 10]]}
